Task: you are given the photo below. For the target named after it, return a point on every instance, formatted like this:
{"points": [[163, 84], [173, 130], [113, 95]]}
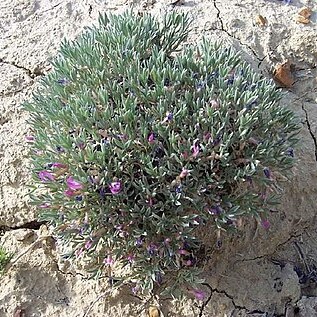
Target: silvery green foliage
{"points": [[5, 258], [136, 145]]}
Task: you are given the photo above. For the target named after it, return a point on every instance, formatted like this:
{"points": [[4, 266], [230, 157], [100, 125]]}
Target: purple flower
{"points": [[207, 136], [46, 176], [151, 138], [267, 172], [178, 189], [265, 224], [169, 117], [59, 165], [185, 155], [188, 263], [63, 81], [150, 202], [216, 141], [115, 187], [152, 248], [182, 252], [184, 173], [135, 289], [122, 136], [108, 260], [45, 205], [69, 192], [81, 145], [199, 294], [215, 210], [214, 104], [88, 244], [73, 184], [79, 198], [139, 242], [130, 258], [30, 138], [290, 152]]}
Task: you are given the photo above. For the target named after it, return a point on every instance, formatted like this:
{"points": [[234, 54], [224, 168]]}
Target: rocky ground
{"points": [[257, 273]]}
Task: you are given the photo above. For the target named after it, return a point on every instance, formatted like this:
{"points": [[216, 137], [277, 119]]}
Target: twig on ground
{"points": [[20, 255], [94, 302]]}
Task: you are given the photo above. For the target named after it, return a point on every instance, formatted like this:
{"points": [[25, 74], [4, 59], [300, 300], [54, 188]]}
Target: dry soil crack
{"points": [[236, 306], [34, 225], [223, 29], [293, 236], [309, 127], [32, 74]]}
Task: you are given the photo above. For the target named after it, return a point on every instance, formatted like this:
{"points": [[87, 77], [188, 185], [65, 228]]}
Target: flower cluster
{"points": [[151, 145]]}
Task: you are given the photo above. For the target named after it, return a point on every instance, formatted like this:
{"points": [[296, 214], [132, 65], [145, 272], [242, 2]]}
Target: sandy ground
{"points": [[256, 273]]}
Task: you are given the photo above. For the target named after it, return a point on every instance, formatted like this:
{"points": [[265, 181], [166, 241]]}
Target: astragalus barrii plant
{"points": [[139, 141]]}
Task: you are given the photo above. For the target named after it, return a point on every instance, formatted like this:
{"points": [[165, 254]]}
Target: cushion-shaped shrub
{"points": [[139, 142]]}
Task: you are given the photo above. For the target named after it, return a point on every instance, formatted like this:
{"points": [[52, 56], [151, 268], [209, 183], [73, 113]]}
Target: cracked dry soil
{"points": [[256, 272]]}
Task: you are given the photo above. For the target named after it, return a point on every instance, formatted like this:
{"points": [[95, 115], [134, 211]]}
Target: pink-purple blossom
{"points": [[152, 248], [131, 258], [151, 138], [30, 138], [135, 289], [183, 252], [73, 184], [184, 173], [150, 202], [46, 176], [199, 294], [58, 165], [45, 205], [265, 224], [185, 155], [214, 104], [115, 187], [88, 244], [108, 260], [207, 136], [69, 192]]}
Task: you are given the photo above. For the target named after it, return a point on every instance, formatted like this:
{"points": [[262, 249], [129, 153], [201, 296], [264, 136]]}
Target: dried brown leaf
{"points": [[305, 12], [260, 20], [154, 312], [283, 74], [303, 15], [301, 19]]}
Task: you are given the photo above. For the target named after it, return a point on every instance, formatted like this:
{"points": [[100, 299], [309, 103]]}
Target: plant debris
{"points": [[154, 312], [261, 20], [303, 15], [283, 74]]}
